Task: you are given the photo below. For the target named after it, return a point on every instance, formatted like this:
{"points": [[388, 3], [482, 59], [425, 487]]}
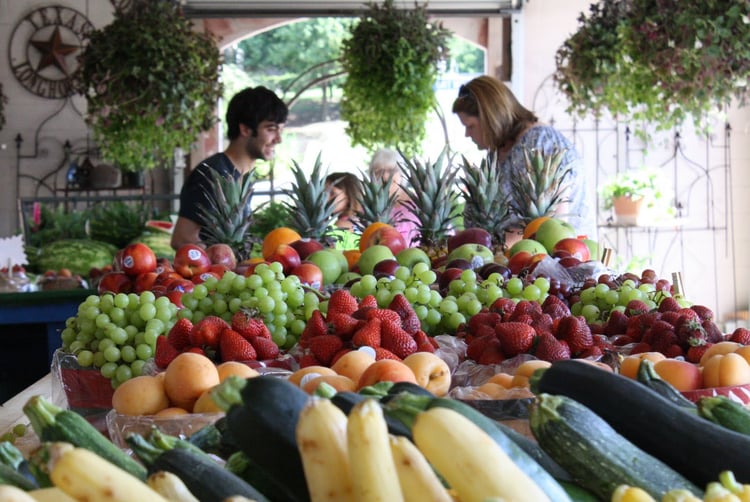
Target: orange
{"points": [[352, 256], [531, 227], [371, 228], [276, 237]]}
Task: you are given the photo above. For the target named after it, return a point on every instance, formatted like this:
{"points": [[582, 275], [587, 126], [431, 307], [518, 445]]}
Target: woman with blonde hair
{"points": [[384, 166], [495, 120]]}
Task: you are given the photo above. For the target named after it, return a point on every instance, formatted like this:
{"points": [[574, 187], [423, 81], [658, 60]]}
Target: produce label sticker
{"points": [[12, 252]]}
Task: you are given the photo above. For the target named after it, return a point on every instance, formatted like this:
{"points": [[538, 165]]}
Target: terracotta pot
{"points": [[627, 209]]}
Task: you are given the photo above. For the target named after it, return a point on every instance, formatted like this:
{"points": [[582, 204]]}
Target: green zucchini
{"points": [[52, 423], [11, 456], [648, 376], [407, 406], [598, 458], [215, 438], [241, 465], [10, 476], [725, 412], [650, 421], [262, 415], [202, 475]]}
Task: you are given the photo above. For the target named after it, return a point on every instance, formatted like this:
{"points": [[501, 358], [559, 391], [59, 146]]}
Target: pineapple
{"points": [[310, 209], [433, 201], [542, 186], [376, 202], [485, 204], [228, 217]]}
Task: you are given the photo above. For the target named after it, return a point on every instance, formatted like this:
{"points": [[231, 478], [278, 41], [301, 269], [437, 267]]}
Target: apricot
{"points": [[187, 377], [206, 404], [386, 370], [683, 375], [339, 382], [520, 381], [142, 395], [724, 347], [353, 364], [723, 370], [527, 368], [492, 390], [744, 351], [502, 378], [431, 372], [237, 368], [629, 365], [172, 411], [297, 376]]}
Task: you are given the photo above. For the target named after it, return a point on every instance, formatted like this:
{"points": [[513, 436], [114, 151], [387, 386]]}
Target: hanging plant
{"points": [[656, 62], [392, 61], [151, 83]]}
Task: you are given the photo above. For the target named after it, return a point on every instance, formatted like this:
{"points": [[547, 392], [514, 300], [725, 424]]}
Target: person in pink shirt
{"points": [[384, 165]]}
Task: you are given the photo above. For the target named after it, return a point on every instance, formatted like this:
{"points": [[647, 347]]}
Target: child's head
{"points": [[345, 188]]}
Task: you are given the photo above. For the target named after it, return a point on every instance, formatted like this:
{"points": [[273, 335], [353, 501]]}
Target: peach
{"points": [[172, 411], [431, 372], [724, 347], [237, 368], [353, 364], [724, 370], [629, 365], [744, 351], [339, 382], [683, 375], [297, 376], [386, 370]]}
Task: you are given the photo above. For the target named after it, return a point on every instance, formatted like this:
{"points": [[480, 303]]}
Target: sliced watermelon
{"points": [[160, 226]]}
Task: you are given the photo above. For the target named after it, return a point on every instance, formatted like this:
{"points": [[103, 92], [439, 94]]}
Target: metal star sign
{"points": [[54, 52]]}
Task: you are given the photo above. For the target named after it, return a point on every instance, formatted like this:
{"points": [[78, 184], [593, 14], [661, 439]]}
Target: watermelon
{"points": [[163, 226], [159, 242], [77, 255]]}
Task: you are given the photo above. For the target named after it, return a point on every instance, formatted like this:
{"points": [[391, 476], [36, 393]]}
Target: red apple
{"points": [[201, 278], [163, 264], [222, 254], [175, 297], [306, 246], [218, 269], [386, 267], [569, 261], [388, 237], [576, 247], [164, 278], [447, 275], [459, 263], [247, 268], [471, 235], [144, 282], [287, 256], [181, 285], [137, 258], [191, 260], [309, 274], [519, 261], [115, 282]]}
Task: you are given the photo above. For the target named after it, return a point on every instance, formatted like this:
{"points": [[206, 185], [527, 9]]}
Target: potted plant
{"points": [[631, 192], [392, 61], [151, 83], [656, 62]]}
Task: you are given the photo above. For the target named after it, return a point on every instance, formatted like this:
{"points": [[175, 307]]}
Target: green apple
{"points": [[372, 255], [593, 248], [346, 277], [533, 246], [329, 263], [476, 254], [342, 259], [411, 256], [552, 231]]}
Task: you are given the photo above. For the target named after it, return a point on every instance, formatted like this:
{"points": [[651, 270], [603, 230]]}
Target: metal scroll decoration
{"points": [[44, 48]]}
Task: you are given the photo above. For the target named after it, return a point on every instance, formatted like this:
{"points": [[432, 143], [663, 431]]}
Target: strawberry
{"points": [[592, 352], [515, 337], [671, 317], [674, 351], [620, 340], [368, 301], [542, 323], [503, 306], [409, 319], [248, 325], [234, 347], [689, 313], [395, 339], [424, 342], [368, 334], [179, 334], [341, 302], [381, 353], [207, 331], [265, 348], [475, 349], [343, 325], [165, 352], [384, 315], [617, 323], [549, 348], [690, 332], [740, 335], [316, 326], [526, 307], [324, 347], [308, 360], [635, 307], [483, 319], [694, 353], [713, 332], [555, 307], [485, 329], [575, 331], [639, 348], [669, 304], [663, 340], [199, 350], [704, 313], [492, 354]]}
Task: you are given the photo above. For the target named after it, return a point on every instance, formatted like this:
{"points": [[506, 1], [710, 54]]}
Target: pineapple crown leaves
{"points": [[541, 186], [228, 215], [310, 208], [486, 205], [432, 198], [376, 202]]}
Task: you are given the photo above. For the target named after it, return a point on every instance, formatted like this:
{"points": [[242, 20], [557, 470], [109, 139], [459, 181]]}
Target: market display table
{"points": [[11, 412]]}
